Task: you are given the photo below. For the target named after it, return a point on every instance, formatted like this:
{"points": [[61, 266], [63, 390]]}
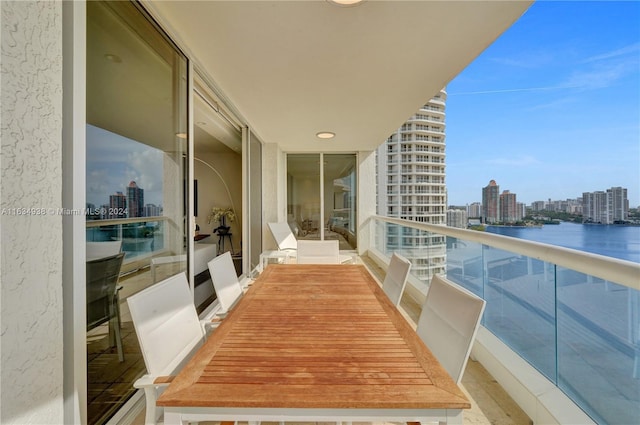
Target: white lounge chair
{"points": [[225, 281], [169, 333], [449, 322], [396, 278], [318, 252]]}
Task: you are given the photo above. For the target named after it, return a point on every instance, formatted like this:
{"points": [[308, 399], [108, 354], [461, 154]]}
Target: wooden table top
{"points": [[314, 336]]}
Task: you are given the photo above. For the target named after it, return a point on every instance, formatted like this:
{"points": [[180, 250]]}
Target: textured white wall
{"points": [[31, 245]]}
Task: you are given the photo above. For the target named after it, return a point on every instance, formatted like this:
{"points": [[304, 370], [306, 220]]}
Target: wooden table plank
{"points": [[309, 336]]}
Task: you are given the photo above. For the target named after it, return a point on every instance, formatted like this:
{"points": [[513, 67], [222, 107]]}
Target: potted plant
{"points": [[221, 215]]}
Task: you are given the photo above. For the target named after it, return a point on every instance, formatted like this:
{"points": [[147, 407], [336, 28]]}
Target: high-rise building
{"points": [[151, 210], [474, 210], [605, 207], [117, 205], [491, 203], [411, 185], [508, 207], [457, 218], [135, 200], [618, 204]]}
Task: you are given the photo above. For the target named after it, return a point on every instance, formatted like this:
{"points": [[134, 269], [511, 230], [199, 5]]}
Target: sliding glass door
{"points": [[321, 197], [135, 187]]}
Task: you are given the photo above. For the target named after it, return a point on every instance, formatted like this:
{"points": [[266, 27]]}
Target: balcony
{"points": [[561, 326]]}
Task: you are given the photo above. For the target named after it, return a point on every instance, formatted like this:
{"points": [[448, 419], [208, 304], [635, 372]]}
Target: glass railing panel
{"points": [[599, 347], [520, 295], [464, 265], [580, 331], [139, 239]]}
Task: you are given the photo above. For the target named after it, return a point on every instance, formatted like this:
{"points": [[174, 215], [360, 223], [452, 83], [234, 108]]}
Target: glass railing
{"points": [[574, 316], [141, 237]]}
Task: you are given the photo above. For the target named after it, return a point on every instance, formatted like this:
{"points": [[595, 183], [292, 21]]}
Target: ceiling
{"points": [[291, 69]]}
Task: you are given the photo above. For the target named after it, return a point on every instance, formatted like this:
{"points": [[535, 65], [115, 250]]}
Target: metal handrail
{"points": [[116, 221], [615, 270]]}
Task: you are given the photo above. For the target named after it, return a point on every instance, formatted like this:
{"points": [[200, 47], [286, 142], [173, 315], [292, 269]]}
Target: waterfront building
{"points": [[605, 207], [474, 210], [521, 210], [508, 207], [457, 218], [411, 181], [617, 204], [151, 210], [117, 206], [135, 200], [491, 203], [538, 206]]}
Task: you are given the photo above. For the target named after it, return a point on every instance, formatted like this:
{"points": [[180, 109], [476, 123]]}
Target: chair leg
{"points": [[152, 413], [114, 328]]}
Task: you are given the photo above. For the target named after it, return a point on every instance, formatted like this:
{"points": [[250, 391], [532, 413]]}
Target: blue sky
{"points": [[552, 108]]}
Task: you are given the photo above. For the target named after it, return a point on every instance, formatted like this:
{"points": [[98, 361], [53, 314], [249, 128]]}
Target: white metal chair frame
{"points": [[169, 332], [448, 323], [225, 281], [396, 278], [318, 252]]}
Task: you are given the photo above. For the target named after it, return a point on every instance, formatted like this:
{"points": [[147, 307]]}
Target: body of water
{"points": [[611, 240]]}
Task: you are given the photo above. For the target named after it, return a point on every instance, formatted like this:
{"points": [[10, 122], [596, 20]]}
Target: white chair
{"points": [[225, 281], [284, 237], [396, 278], [288, 243], [169, 332], [449, 322], [318, 252], [97, 250]]}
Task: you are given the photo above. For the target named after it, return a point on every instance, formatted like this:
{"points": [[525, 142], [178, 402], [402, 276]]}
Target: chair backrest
{"points": [[449, 322], [284, 236], [102, 249], [225, 281], [396, 278], [167, 324], [318, 252], [102, 277]]}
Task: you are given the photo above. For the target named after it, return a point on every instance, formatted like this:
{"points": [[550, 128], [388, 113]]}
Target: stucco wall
{"points": [[31, 245]]}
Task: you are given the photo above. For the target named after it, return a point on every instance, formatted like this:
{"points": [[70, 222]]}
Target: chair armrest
{"points": [[152, 381], [210, 325]]}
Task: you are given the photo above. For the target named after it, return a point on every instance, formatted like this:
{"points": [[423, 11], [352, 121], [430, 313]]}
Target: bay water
{"points": [[618, 241]]}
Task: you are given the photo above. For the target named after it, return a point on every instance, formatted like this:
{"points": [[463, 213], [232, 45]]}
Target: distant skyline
{"points": [[552, 108], [114, 161]]}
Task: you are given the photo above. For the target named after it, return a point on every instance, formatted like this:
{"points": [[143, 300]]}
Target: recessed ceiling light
{"points": [[325, 135], [346, 2], [113, 58]]}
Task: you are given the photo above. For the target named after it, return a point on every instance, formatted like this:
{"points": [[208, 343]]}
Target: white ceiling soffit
{"points": [[295, 68]]}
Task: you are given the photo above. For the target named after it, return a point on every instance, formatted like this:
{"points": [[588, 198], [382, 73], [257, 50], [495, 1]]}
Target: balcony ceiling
{"points": [[294, 68]]}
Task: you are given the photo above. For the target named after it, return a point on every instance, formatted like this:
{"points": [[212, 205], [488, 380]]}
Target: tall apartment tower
{"points": [[605, 207], [618, 204], [117, 205], [411, 185], [491, 203], [508, 207], [135, 200]]}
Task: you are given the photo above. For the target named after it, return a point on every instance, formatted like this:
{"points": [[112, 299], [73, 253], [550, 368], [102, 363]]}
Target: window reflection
{"points": [[136, 145]]}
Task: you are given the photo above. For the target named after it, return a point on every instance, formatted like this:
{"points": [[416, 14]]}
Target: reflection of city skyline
{"points": [[120, 205], [113, 161]]}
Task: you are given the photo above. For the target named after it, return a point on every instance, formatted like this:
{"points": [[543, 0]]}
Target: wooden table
{"points": [[314, 343]]}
